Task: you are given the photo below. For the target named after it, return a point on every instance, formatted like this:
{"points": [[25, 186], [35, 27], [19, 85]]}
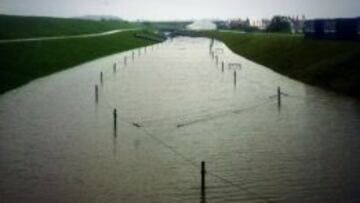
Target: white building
{"points": [[202, 25]]}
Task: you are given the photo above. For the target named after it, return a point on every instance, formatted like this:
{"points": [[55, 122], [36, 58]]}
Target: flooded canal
{"points": [[177, 106]]}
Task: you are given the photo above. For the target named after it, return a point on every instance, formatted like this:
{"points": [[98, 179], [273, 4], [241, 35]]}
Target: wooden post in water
{"points": [[115, 119], [203, 186], [222, 66], [114, 68], [279, 97], [101, 78], [234, 77], [96, 93]]}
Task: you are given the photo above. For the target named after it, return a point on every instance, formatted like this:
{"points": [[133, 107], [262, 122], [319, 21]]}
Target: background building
{"points": [[340, 28]]}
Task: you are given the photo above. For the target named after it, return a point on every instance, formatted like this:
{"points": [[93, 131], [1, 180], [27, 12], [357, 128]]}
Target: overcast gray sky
{"points": [[182, 9]]}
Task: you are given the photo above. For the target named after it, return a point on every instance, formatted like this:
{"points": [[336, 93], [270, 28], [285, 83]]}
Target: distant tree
{"points": [[250, 29], [279, 24], [247, 22], [148, 24], [243, 25]]}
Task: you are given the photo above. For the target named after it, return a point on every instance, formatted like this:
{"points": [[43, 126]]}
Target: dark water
{"points": [[175, 109]]}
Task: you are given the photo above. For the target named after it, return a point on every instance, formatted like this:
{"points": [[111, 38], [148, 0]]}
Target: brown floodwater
{"points": [[175, 108]]}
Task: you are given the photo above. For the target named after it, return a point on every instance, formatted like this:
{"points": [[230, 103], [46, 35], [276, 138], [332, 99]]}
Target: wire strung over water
{"points": [[185, 120]]}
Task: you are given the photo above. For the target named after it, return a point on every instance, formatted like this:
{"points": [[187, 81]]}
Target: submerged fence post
{"points": [[279, 97], [101, 78], [235, 78], [115, 119], [114, 68], [222, 66], [211, 44], [96, 93], [203, 187]]}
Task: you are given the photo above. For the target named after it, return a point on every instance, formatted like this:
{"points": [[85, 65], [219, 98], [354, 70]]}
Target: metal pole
{"points": [[203, 187], [96, 93], [235, 78], [279, 96], [115, 119]]}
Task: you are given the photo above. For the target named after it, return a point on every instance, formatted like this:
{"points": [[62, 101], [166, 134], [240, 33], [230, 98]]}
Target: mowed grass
{"points": [[12, 27], [22, 62], [331, 64]]}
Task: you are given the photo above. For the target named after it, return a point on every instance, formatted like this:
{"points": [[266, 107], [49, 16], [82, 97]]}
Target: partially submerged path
{"points": [[111, 32]]}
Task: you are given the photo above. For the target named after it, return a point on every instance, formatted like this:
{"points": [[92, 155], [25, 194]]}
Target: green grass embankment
{"points": [[334, 65], [13, 27], [24, 61]]}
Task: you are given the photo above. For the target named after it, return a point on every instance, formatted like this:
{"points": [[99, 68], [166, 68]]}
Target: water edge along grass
{"points": [[13, 27], [334, 65], [22, 62]]}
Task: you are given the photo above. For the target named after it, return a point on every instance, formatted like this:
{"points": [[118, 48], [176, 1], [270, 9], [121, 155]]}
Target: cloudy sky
{"points": [[182, 9]]}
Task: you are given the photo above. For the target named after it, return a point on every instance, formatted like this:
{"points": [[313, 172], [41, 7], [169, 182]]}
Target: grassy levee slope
{"points": [[24, 61], [334, 65], [12, 27]]}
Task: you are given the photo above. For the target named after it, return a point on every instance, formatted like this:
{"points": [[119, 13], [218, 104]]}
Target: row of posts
{"points": [[279, 93], [115, 117], [203, 168], [217, 59], [223, 66], [114, 71]]}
